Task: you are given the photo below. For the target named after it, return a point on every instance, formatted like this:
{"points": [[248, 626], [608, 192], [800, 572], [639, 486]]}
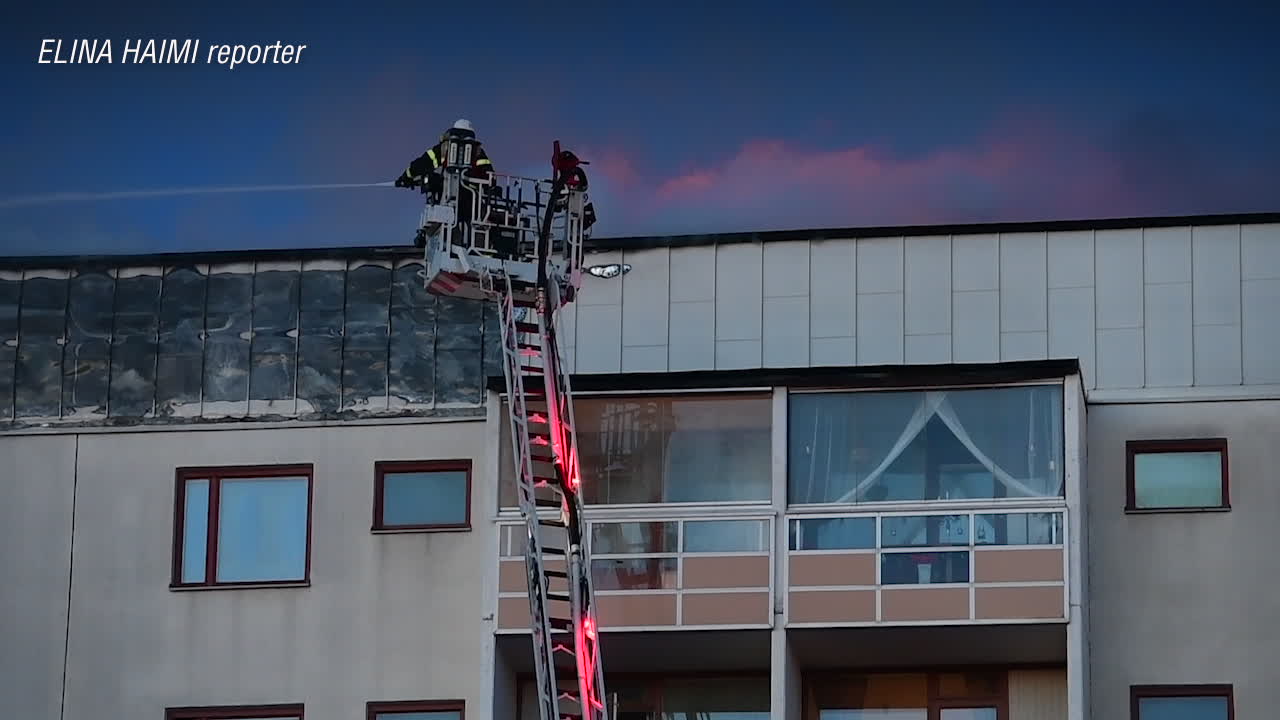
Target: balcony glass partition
{"points": [[640, 449], [986, 443]]}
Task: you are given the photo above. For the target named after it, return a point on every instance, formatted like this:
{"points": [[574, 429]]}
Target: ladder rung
{"points": [[553, 551], [560, 623], [527, 327], [547, 522], [556, 574], [535, 371], [546, 502], [529, 346], [562, 597]]}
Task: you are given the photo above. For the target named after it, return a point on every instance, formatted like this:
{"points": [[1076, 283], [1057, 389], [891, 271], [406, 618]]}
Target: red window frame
{"points": [[215, 476], [384, 467], [231, 712], [1222, 690], [1133, 448], [410, 706]]}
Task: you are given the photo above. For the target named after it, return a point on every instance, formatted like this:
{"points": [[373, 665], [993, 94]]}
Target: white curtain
{"points": [[1014, 433]]}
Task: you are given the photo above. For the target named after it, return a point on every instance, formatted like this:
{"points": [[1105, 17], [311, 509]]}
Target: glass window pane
{"points": [[513, 540], [633, 537], [195, 530], [924, 568], [833, 533], [853, 447], [262, 529], [924, 530], [715, 698], [1018, 529], [970, 685], [656, 449], [899, 714], [725, 536], [437, 715], [1182, 708], [876, 696], [986, 713], [424, 498], [1177, 479], [634, 574]]}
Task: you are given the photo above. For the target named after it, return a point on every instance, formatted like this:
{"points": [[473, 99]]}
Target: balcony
{"points": [[927, 567], [661, 572]]}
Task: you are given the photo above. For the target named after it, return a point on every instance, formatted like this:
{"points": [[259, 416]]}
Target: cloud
{"points": [[1026, 168]]}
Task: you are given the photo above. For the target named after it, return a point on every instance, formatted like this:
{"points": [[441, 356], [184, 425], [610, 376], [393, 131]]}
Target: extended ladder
{"points": [[544, 446]]}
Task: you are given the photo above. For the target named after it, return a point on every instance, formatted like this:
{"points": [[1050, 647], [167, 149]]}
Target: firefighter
{"points": [[575, 179], [458, 147]]}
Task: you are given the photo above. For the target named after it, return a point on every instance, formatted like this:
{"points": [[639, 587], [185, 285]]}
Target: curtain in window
{"points": [[859, 447]]}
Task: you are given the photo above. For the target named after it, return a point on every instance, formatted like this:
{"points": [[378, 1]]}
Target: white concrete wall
{"points": [[387, 617], [1157, 309], [37, 479], [1185, 597]]}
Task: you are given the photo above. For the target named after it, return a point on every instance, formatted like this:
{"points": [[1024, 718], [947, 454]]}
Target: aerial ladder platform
{"points": [[518, 242]]}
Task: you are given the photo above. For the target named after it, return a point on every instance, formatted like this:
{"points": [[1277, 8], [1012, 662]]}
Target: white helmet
{"points": [[463, 124]]}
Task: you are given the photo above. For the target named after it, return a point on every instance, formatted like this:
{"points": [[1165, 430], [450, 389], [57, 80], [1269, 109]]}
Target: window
{"points": [[987, 443], [1181, 702], [415, 710], [1036, 528], [666, 449], [954, 695], [242, 526], [673, 697], [837, 533], [432, 495], [238, 712], [1177, 474]]}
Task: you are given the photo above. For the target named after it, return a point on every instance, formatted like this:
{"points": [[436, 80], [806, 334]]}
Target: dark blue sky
{"points": [[698, 116]]}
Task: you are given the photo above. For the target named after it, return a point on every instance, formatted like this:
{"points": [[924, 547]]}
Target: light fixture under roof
{"points": [[610, 270]]}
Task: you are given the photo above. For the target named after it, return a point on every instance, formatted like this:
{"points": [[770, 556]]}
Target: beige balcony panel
{"points": [[637, 610], [735, 571], [726, 609], [832, 606], [835, 569], [512, 577], [1018, 603], [915, 604], [1029, 565]]}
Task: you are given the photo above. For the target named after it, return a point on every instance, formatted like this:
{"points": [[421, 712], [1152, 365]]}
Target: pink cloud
{"points": [[1024, 172]]}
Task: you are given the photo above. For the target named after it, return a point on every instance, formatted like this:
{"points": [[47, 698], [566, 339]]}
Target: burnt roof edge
{"points": [[638, 242], [849, 376]]}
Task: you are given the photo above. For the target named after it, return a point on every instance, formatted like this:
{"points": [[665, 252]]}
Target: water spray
{"points": [[53, 198]]}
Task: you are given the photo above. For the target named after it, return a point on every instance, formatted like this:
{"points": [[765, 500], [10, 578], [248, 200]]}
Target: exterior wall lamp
{"points": [[610, 270]]}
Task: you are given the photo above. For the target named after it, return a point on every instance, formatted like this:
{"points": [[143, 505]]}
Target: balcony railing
{"points": [[662, 572], [927, 567]]}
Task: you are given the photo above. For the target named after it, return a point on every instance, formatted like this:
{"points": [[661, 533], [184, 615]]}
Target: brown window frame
{"points": [[1223, 690], [1133, 448], [232, 712], [409, 706], [215, 475], [382, 467]]}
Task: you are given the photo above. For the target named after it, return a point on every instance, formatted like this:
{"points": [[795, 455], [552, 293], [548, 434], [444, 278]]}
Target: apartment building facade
{"points": [[944, 473]]}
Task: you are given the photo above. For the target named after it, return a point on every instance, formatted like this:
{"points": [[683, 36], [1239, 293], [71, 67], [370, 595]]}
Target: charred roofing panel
{"points": [[248, 340]]}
